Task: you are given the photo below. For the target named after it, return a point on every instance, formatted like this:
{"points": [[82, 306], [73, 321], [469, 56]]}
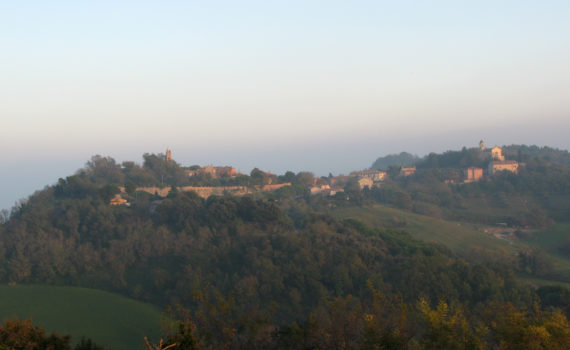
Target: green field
{"points": [[464, 239], [467, 239], [550, 240], [108, 319]]}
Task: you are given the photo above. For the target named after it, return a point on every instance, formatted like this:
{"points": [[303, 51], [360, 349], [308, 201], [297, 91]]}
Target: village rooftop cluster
{"points": [[330, 186]]}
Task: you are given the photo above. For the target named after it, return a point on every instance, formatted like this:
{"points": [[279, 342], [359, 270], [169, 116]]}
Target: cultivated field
{"points": [[108, 319]]}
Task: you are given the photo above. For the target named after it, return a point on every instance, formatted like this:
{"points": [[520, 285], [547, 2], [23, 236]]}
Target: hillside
{"points": [[255, 264], [465, 239]]}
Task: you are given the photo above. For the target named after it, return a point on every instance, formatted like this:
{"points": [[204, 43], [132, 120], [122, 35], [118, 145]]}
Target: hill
{"points": [[403, 159], [241, 268]]}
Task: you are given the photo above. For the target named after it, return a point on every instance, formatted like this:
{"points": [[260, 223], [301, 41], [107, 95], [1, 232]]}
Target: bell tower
{"points": [[168, 155]]}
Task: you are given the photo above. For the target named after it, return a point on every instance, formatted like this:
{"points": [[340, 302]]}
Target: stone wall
{"points": [[207, 191]]}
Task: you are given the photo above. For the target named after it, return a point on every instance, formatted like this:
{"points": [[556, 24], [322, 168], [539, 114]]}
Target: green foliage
{"points": [[535, 262], [403, 159], [108, 191], [555, 297], [448, 328], [454, 159], [16, 334], [103, 170], [233, 243], [393, 195], [87, 344], [130, 187]]}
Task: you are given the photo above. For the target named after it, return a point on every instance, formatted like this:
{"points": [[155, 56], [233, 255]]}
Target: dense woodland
{"points": [[273, 271]]}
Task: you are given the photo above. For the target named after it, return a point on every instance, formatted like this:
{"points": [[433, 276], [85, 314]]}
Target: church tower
{"points": [[168, 155], [482, 145]]}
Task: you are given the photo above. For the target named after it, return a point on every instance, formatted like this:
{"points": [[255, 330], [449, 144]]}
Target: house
{"points": [[504, 165], [316, 189], [208, 170], [191, 173], [365, 182], [325, 190], [334, 191], [214, 171], [118, 200], [226, 171], [375, 175], [473, 174], [407, 171]]}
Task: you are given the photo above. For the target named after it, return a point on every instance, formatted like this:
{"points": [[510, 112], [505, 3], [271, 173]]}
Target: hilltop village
{"points": [[331, 185]]}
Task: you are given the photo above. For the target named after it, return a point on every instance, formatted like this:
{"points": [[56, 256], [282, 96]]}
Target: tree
{"points": [[103, 170], [87, 344], [130, 187], [16, 334], [448, 328], [108, 191], [304, 178], [258, 177]]}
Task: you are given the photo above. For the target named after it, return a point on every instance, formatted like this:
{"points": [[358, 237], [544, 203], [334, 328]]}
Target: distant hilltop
{"points": [[478, 156]]}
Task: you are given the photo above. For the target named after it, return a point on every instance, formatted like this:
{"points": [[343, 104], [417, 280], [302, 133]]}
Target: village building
{"points": [[473, 174], [118, 200], [407, 171], [214, 171], [375, 175], [365, 182], [317, 189], [228, 171], [191, 173], [208, 170], [504, 165], [334, 191], [497, 153], [324, 190]]}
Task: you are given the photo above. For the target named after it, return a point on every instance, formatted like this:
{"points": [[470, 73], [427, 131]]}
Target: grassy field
{"points": [[550, 240], [108, 319], [464, 239], [468, 240]]}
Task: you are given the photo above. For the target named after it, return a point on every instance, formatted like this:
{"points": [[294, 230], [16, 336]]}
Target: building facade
{"points": [[505, 165], [473, 174]]}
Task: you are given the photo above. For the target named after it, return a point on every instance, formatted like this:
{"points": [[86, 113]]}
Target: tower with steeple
{"points": [[168, 155]]}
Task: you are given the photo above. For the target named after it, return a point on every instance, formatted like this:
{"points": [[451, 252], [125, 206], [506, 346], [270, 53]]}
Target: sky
{"points": [[322, 86]]}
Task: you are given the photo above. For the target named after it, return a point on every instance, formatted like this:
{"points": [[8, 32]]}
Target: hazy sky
{"points": [[325, 86]]}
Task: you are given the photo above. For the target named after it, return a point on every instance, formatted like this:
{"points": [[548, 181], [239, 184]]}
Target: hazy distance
{"points": [[323, 86]]}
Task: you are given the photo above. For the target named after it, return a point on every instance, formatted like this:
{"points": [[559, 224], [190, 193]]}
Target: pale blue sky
{"points": [[314, 85]]}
